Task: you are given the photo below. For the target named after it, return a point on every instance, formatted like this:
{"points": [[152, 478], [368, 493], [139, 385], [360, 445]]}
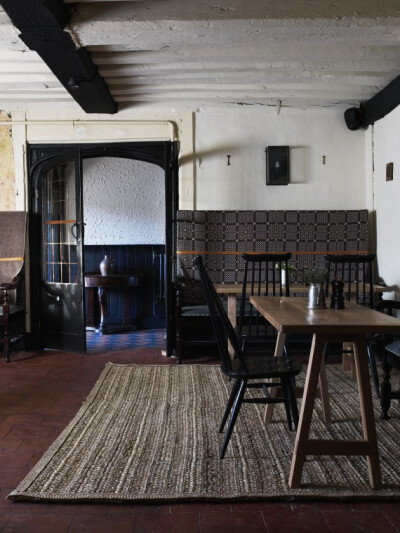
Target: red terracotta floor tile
{"points": [[11, 477], [140, 508], [354, 521], [308, 519], [37, 523], [17, 460], [162, 523], [92, 523], [275, 507], [10, 445], [322, 506], [392, 511], [234, 522], [192, 507]]}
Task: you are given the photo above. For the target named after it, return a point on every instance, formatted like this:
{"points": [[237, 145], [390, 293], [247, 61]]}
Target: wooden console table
{"points": [[93, 281]]}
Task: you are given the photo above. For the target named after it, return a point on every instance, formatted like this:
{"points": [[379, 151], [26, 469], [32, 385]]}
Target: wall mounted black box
{"points": [[277, 165]]}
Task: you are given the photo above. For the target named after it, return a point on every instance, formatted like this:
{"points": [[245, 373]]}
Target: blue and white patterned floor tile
{"points": [[150, 338]]}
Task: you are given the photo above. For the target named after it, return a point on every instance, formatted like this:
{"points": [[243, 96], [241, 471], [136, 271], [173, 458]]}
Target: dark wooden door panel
{"points": [[59, 275]]}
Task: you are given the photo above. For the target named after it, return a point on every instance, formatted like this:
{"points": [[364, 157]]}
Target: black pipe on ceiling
{"points": [[375, 108]]}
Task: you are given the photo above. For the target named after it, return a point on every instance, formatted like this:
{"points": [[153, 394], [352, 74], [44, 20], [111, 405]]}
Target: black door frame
{"points": [[161, 153]]}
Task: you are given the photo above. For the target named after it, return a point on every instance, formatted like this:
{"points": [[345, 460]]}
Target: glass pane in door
{"points": [[61, 292], [59, 223]]}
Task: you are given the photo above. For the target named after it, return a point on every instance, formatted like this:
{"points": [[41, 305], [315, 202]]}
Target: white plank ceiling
{"points": [[183, 55]]}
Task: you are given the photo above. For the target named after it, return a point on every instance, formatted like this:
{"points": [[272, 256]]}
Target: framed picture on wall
{"points": [[277, 165]]}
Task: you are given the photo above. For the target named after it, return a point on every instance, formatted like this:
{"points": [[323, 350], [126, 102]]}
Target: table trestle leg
{"points": [[367, 446]]}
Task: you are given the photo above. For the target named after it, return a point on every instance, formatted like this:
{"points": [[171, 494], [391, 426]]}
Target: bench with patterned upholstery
{"points": [[220, 237]]}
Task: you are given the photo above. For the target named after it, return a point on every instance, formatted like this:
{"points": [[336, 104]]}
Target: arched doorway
{"points": [[57, 236]]}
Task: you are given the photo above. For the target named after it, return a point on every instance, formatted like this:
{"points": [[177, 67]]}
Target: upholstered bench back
{"points": [[221, 236]]}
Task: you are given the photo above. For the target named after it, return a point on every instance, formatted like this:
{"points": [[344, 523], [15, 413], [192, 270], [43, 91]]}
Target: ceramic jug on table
{"points": [[107, 266]]}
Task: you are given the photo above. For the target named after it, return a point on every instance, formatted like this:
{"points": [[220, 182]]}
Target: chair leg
{"points": [[325, 356], [285, 351], [4, 302], [232, 421], [286, 354], [232, 396], [386, 389], [178, 328], [6, 348], [374, 370], [286, 387], [244, 343], [293, 404]]}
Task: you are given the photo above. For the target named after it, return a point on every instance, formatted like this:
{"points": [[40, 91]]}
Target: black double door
{"points": [[57, 237]]}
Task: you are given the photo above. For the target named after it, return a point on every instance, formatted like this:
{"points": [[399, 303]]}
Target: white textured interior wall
{"points": [[8, 189], [206, 138], [65, 126], [386, 199], [123, 201], [340, 183]]}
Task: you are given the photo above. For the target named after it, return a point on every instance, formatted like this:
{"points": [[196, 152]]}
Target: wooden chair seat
{"points": [[259, 365]]}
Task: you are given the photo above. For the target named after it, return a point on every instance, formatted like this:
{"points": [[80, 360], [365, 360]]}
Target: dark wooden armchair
{"points": [[12, 253]]}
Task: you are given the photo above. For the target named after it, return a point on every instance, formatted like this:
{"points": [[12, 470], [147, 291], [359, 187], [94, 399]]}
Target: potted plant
{"points": [[315, 275]]}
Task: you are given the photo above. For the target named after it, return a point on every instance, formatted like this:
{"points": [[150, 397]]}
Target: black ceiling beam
{"points": [[41, 24], [375, 108]]}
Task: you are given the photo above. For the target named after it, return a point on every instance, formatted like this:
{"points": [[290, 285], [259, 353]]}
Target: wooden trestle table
{"points": [[233, 290], [291, 315]]}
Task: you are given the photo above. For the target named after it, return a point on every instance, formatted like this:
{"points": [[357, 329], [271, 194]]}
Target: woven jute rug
{"points": [[150, 433]]}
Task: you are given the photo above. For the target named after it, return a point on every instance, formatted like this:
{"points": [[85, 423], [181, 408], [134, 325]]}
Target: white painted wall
{"points": [[124, 202], [340, 183], [206, 138], [386, 199], [36, 126]]}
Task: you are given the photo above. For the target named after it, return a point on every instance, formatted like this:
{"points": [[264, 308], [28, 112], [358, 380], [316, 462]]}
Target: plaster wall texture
{"points": [[339, 183], [7, 173], [386, 199], [65, 126], [352, 177], [209, 135], [124, 202]]}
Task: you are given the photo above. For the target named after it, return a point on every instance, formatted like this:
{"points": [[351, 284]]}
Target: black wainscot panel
{"points": [[148, 301]]}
